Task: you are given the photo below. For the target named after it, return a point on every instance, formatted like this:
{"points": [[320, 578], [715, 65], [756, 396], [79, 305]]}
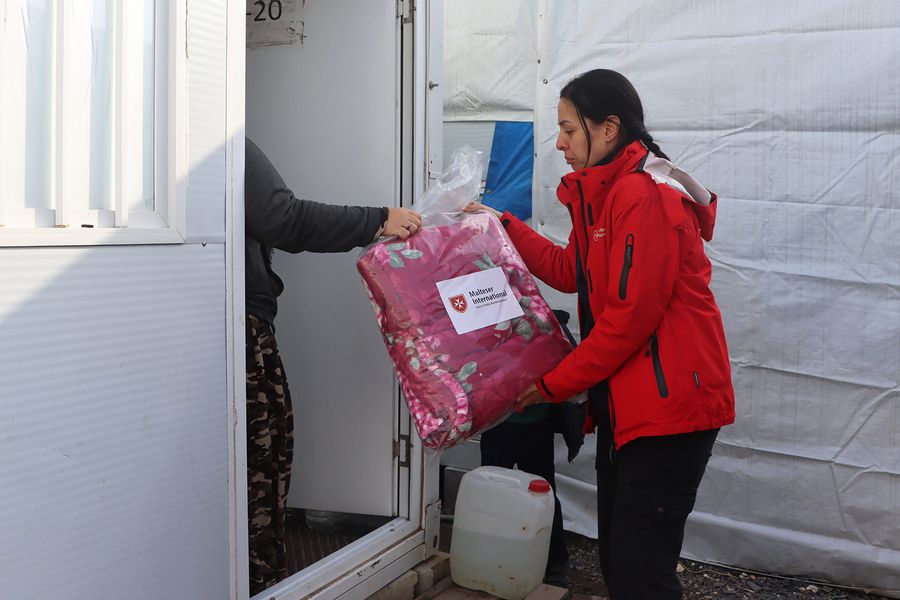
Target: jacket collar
{"points": [[630, 158], [635, 157]]}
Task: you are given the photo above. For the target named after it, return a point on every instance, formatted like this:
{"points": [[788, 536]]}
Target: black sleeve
{"points": [[274, 217]]}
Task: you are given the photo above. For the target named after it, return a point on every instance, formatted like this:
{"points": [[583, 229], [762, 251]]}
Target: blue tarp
{"points": [[508, 184]]}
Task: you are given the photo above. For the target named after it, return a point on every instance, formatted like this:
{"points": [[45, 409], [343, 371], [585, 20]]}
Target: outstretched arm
{"points": [[552, 264], [275, 217]]}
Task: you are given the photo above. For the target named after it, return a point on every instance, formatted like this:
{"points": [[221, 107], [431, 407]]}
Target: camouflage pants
{"points": [[270, 445]]}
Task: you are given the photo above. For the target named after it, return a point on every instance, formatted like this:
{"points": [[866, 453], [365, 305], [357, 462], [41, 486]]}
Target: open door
{"points": [[341, 111], [326, 111]]}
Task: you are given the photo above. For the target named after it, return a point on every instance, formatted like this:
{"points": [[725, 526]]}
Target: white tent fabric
{"points": [[791, 113], [489, 59]]}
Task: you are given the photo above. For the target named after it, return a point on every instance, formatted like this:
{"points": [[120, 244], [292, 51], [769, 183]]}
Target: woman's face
{"points": [[573, 142]]}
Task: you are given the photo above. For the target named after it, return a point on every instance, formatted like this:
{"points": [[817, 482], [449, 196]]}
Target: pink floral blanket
{"points": [[457, 385]]}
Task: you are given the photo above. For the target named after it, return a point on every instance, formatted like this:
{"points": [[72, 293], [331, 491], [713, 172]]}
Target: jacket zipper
{"points": [[626, 265], [572, 216], [657, 367], [587, 246], [612, 412]]}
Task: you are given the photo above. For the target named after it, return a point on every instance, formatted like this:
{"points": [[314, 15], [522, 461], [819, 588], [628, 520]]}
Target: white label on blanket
{"points": [[478, 300]]}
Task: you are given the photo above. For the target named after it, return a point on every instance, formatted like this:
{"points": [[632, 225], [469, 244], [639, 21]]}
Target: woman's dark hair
{"points": [[602, 93]]}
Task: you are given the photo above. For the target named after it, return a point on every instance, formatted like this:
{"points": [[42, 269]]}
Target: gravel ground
{"points": [[702, 581]]}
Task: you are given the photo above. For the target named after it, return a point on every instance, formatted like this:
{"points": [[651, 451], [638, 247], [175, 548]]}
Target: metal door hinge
{"points": [[403, 450], [405, 10], [432, 528]]}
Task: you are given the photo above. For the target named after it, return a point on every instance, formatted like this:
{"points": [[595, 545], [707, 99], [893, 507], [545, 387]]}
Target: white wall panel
{"points": [[205, 215], [113, 423]]}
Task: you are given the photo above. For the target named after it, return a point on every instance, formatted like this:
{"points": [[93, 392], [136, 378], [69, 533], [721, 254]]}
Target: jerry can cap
{"points": [[538, 485]]}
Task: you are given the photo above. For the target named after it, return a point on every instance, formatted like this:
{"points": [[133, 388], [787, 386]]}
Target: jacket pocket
{"points": [[657, 367], [626, 265]]}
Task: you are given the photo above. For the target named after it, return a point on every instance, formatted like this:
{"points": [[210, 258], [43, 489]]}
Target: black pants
{"points": [[645, 492], [530, 446]]}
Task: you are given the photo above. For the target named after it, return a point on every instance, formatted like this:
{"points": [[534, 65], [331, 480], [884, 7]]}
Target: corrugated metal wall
{"points": [[113, 409], [113, 422]]}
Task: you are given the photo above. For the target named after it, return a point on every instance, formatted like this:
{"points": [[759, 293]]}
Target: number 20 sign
{"points": [[274, 23]]}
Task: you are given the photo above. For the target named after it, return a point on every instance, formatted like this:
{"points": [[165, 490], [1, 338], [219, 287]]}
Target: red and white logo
{"points": [[599, 233], [459, 303]]}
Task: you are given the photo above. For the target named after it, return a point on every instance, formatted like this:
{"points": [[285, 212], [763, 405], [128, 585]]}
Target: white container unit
{"points": [[123, 346], [501, 532]]}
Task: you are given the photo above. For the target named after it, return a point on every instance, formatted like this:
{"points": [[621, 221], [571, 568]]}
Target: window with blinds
{"points": [[84, 116]]}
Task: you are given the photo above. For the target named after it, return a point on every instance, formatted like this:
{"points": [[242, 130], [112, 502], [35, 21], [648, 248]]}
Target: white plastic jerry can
{"points": [[501, 532]]}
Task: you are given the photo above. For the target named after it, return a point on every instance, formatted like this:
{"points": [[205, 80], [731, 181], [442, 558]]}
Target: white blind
{"points": [[77, 113]]}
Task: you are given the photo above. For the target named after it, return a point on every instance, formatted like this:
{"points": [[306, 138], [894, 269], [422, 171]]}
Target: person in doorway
{"points": [[653, 356], [275, 218]]}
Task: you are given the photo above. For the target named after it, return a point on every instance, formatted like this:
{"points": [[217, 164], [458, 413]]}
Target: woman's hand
{"points": [[402, 222], [530, 396], [477, 206]]}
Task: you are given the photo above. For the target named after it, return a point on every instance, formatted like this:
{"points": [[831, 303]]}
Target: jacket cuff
{"points": [[382, 219], [542, 388], [555, 385]]}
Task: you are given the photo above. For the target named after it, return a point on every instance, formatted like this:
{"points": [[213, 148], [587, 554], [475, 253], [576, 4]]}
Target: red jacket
{"points": [[637, 224]]}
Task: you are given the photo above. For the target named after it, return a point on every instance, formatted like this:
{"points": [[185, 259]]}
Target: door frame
{"points": [[236, 385], [366, 565]]}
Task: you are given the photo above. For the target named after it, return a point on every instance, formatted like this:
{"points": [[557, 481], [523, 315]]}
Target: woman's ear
{"points": [[611, 128]]}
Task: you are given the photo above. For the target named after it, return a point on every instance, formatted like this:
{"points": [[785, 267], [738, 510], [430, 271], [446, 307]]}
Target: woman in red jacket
{"points": [[652, 354]]}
